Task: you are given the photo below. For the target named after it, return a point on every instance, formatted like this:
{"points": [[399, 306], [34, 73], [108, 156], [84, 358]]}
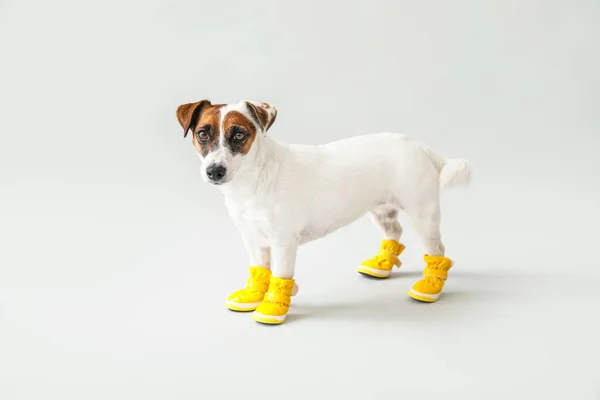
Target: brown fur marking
{"points": [[210, 118], [188, 114], [261, 115], [235, 120]]}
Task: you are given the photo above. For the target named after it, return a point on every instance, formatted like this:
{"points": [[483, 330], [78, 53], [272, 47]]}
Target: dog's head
{"points": [[226, 136]]}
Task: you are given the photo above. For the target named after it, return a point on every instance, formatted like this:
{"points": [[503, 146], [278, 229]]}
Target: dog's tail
{"points": [[453, 172]]}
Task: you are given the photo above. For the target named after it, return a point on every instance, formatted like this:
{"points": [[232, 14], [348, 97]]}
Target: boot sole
{"points": [[241, 307], [375, 273], [423, 297], [268, 319]]}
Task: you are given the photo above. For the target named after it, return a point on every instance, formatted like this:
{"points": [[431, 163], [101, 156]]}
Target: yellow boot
{"points": [[250, 297], [430, 287], [276, 303], [381, 265]]}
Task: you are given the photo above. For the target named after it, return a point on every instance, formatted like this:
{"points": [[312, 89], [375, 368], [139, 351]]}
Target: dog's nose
{"points": [[216, 172]]}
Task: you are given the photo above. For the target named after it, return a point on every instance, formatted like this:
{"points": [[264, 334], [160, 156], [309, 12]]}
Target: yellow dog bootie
{"points": [[430, 287], [276, 303], [250, 297], [382, 264]]}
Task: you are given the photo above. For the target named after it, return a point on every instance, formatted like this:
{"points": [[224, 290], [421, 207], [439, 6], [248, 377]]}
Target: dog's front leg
{"points": [[276, 303], [259, 253], [259, 256]]}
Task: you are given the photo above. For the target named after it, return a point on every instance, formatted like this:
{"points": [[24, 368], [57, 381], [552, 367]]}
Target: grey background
{"points": [[116, 259]]}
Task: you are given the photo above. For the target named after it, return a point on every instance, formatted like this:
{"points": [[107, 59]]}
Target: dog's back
{"points": [[333, 184]]}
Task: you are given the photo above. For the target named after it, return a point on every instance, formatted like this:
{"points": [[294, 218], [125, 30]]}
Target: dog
{"points": [[281, 196]]}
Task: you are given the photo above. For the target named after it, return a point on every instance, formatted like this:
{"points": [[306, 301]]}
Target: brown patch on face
{"points": [[235, 124], [208, 124]]}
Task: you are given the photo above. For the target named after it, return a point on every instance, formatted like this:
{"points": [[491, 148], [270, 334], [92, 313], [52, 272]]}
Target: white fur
{"points": [[281, 196]]}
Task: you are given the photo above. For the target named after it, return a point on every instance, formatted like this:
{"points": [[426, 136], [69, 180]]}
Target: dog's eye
{"points": [[202, 135], [239, 136]]}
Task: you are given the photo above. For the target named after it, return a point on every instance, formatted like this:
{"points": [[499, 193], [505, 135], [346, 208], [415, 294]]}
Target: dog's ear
{"points": [[264, 114], [189, 114]]}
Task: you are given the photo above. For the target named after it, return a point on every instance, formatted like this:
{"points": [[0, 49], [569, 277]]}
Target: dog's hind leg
{"points": [[426, 219], [380, 266], [386, 218]]}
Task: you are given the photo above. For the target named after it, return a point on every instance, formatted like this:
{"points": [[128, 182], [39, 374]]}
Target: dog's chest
{"points": [[252, 215]]}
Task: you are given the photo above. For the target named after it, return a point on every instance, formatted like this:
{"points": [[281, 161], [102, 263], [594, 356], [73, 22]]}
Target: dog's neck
{"points": [[257, 180]]}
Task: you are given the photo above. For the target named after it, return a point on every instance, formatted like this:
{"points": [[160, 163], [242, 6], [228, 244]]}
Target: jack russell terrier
{"points": [[281, 196]]}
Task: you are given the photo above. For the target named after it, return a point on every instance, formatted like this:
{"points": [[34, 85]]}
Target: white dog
{"points": [[281, 196]]}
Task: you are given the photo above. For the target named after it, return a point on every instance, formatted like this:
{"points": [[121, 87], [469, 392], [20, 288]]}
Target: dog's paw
{"points": [[295, 289]]}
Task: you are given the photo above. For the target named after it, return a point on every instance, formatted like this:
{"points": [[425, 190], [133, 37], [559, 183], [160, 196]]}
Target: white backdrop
{"points": [[116, 259]]}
